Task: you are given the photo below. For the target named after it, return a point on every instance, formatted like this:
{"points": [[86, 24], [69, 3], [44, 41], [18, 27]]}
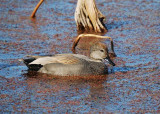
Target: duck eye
{"points": [[102, 50]]}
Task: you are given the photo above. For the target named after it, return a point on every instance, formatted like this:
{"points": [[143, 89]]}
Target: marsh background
{"points": [[131, 86]]}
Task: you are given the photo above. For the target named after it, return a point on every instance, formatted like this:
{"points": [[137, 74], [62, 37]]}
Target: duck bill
{"points": [[109, 61]]}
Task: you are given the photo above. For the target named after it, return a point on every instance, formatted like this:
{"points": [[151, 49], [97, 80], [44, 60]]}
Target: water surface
{"points": [[132, 86]]}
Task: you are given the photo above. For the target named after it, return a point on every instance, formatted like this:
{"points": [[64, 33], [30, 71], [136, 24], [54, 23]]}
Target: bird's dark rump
{"points": [[32, 67]]}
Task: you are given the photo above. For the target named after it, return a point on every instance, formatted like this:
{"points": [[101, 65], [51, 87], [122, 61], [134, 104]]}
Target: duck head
{"points": [[99, 51]]}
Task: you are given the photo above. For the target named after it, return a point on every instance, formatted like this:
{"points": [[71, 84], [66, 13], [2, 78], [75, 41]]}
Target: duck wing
{"points": [[60, 58]]}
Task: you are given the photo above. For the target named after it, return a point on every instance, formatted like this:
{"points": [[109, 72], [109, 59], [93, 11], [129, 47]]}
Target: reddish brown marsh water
{"points": [[132, 86]]}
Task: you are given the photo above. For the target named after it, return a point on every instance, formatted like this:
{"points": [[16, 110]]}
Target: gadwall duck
{"points": [[72, 64]]}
